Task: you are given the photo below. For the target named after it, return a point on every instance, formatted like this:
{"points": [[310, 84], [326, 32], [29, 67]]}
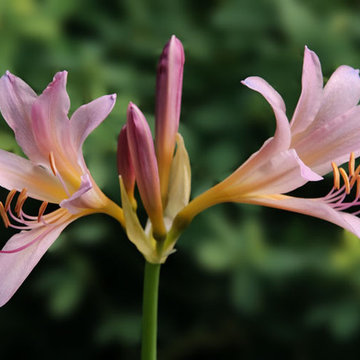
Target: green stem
{"points": [[150, 307]]}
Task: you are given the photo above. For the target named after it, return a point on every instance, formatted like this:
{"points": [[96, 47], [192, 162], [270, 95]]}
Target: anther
{"points": [[9, 199], [357, 187], [4, 215], [346, 180], [42, 210], [52, 163], [336, 176], [20, 201], [352, 164]]}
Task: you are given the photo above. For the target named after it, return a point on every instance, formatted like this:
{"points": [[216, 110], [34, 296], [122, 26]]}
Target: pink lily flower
{"points": [[323, 131], [55, 172]]}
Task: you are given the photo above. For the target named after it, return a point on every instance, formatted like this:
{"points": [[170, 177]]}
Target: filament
{"points": [[337, 198]]}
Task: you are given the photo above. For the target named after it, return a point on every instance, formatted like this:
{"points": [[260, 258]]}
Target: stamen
{"points": [[20, 201], [4, 215], [42, 210], [346, 180], [56, 172], [9, 199], [357, 171], [353, 179], [357, 187], [352, 164], [52, 163], [336, 176]]}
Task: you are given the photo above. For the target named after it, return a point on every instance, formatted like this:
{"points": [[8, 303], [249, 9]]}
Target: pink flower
{"points": [[323, 131], [55, 172]]}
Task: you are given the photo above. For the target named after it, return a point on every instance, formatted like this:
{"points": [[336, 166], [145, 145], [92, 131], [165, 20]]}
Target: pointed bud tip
{"points": [[60, 75], [9, 76]]}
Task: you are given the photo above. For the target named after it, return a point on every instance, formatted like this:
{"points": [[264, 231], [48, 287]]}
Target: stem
{"points": [[150, 307]]}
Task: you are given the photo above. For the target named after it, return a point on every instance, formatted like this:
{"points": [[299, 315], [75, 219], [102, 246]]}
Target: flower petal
{"points": [[311, 93], [49, 117], [282, 137], [333, 141], [86, 197], [16, 100], [180, 181], [15, 267], [341, 93], [136, 234], [284, 172], [89, 116], [19, 173], [313, 207]]}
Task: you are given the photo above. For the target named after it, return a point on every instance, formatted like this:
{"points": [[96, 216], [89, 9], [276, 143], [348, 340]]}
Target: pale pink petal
{"points": [[15, 267], [19, 173], [284, 172], [76, 202], [281, 140], [50, 123], [341, 93], [311, 93], [313, 207], [16, 100], [333, 141], [168, 103], [88, 196], [87, 117]]}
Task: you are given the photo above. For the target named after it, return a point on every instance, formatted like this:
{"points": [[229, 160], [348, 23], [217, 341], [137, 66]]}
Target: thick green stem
{"points": [[150, 307]]}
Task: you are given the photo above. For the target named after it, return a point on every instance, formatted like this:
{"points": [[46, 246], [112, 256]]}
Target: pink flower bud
{"points": [[168, 103], [125, 166], [143, 158]]}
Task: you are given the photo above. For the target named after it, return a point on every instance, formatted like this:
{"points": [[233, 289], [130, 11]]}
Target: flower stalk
{"points": [[150, 309]]}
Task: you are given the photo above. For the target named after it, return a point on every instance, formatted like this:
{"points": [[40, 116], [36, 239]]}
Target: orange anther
{"points": [[4, 215], [20, 201], [354, 177], [336, 176], [9, 198], [357, 187], [352, 164], [52, 163], [346, 180], [42, 210], [357, 171]]}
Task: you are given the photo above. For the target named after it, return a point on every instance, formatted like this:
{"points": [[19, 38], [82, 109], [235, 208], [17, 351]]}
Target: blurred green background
{"points": [[246, 282]]}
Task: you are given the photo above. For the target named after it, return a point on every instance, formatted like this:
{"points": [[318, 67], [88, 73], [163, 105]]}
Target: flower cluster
{"points": [[321, 135]]}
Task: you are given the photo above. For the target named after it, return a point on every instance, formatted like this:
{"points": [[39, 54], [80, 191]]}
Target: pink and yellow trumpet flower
{"points": [[55, 172], [322, 134]]}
